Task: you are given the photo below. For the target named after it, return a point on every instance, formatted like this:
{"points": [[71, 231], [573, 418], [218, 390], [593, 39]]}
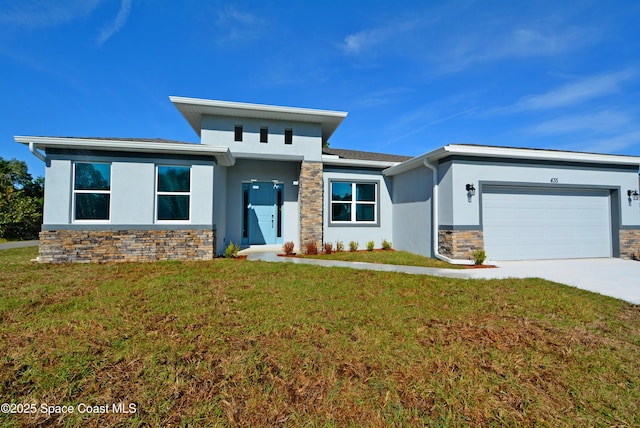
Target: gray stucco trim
{"points": [[99, 227], [353, 224], [459, 227], [630, 227], [536, 163], [104, 156]]}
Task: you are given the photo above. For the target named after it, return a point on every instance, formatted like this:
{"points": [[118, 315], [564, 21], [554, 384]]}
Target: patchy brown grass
{"points": [[251, 343]]}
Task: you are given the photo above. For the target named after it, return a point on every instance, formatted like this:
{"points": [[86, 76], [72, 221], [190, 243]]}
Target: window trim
{"points": [[353, 222], [75, 191], [165, 193]]}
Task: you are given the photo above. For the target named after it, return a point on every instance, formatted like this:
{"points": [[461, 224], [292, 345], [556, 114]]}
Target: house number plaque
{"points": [[554, 180]]}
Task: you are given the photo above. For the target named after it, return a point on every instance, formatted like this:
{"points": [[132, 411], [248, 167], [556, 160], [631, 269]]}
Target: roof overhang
{"points": [[512, 153], [222, 155], [194, 108], [337, 161]]}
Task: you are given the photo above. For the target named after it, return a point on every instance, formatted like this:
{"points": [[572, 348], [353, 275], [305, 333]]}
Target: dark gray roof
{"points": [[370, 156]]}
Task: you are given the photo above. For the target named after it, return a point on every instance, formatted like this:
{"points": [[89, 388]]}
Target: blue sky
{"points": [[413, 75]]}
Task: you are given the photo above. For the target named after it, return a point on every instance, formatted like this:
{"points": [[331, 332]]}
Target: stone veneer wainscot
{"points": [[102, 246], [629, 243], [460, 244]]}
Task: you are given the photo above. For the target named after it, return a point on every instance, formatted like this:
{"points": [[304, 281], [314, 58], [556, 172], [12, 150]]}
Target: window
{"points": [[173, 193], [353, 202], [288, 136], [91, 190], [237, 133], [264, 134]]}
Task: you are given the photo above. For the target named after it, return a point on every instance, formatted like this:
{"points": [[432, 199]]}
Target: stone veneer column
{"points": [[460, 244], [629, 243], [311, 201]]}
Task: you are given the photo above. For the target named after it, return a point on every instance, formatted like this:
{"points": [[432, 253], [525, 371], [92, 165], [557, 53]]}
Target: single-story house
{"points": [[261, 175]]}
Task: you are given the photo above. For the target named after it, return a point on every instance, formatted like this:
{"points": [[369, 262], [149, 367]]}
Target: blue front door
{"points": [[263, 213]]}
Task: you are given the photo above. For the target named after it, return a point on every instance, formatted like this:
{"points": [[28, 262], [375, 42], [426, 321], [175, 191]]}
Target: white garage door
{"points": [[524, 224]]}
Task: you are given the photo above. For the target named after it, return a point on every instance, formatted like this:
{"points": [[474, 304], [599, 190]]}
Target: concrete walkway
{"points": [[610, 277], [18, 244]]}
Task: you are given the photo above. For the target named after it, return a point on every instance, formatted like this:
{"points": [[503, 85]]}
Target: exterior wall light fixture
{"points": [[632, 195], [471, 191]]}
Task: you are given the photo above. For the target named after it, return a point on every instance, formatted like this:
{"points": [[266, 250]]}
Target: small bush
{"points": [[328, 248], [231, 251], [370, 245], [386, 245], [479, 256], [339, 246], [312, 248], [353, 246], [287, 247]]}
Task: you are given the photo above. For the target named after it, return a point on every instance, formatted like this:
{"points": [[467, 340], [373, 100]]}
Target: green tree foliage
{"points": [[21, 198]]}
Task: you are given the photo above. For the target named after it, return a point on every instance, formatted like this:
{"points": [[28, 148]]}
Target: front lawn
{"points": [[389, 258], [227, 343]]}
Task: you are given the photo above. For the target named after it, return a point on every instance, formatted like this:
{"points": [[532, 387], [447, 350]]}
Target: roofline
{"points": [[222, 154], [333, 160], [512, 153], [192, 109]]}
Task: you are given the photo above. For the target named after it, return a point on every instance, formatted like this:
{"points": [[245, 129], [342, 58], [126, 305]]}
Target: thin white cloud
{"points": [[237, 25], [615, 144], [117, 24], [577, 92], [45, 13], [476, 46], [602, 121]]}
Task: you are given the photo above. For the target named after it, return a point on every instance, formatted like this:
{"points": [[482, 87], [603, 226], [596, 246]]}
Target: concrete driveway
{"points": [[611, 277]]}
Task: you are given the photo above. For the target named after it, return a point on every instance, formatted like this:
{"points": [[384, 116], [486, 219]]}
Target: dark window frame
{"points": [[264, 134], [288, 136], [237, 133]]}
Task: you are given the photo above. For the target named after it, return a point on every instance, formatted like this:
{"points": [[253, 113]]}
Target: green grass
{"points": [[389, 258], [226, 343]]}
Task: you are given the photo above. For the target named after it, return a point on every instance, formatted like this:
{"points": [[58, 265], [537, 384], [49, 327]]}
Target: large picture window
{"points": [[353, 202], [91, 190], [173, 193]]}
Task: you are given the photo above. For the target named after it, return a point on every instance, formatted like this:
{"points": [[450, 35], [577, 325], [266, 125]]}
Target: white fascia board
{"points": [[192, 109], [331, 160], [222, 154], [511, 153], [537, 154]]}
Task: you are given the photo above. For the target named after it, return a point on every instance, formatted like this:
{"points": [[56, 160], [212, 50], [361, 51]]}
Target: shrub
{"points": [[312, 248], [339, 246], [328, 248], [479, 256], [353, 246], [232, 250], [386, 245], [287, 247], [370, 245]]}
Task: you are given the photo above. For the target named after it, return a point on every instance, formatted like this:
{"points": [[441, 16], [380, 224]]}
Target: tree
{"points": [[21, 200]]}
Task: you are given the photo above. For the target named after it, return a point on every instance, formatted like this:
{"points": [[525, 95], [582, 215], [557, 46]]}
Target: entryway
{"points": [[262, 213]]}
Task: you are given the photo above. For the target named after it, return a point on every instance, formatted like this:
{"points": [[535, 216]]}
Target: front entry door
{"points": [[264, 213]]}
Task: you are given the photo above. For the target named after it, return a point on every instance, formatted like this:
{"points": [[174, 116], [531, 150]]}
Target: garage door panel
{"points": [[545, 223]]}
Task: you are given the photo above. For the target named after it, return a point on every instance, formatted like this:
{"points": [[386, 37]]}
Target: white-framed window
{"points": [[91, 191], [354, 202], [173, 193]]}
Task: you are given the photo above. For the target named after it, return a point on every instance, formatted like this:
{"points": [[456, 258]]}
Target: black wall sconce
{"points": [[471, 191], [633, 194]]}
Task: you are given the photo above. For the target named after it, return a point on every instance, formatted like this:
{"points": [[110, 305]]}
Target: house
{"points": [[261, 176]]}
